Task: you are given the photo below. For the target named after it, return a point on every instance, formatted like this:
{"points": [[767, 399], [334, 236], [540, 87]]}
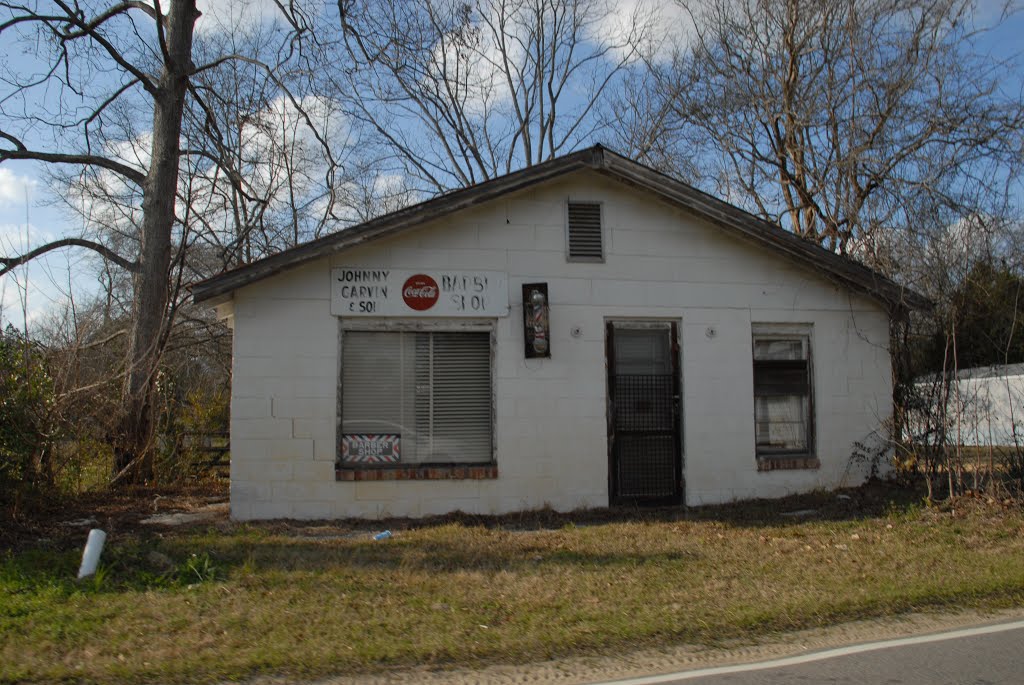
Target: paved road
{"points": [[987, 655]]}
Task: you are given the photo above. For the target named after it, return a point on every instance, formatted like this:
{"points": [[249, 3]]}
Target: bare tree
{"points": [[458, 92], [111, 95], [839, 120], [278, 181]]}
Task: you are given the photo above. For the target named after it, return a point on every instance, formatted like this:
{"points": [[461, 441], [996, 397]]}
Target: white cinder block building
{"points": [[582, 333]]}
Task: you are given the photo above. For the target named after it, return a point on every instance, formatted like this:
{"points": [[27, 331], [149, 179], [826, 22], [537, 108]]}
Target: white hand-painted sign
{"points": [[429, 292]]}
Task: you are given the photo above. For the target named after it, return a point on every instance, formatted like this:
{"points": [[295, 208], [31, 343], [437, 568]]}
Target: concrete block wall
{"points": [[550, 428]]}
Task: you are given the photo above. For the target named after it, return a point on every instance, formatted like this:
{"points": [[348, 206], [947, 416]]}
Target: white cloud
{"points": [[474, 61], [974, 238], [656, 27], [476, 64], [229, 15], [11, 309], [12, 236], [13, 188], [106, 198], [218, 16], [282, 155], [281, 160], [135, 153], [10, 302], [18, 238]]}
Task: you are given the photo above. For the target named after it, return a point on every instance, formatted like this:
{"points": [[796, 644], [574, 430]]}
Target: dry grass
{"points": [[308, 600]]}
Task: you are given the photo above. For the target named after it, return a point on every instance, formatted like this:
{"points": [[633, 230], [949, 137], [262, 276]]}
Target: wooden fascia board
{"points": [[832, 266]]}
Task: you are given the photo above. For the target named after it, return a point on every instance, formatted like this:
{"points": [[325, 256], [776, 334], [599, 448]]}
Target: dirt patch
{"points": [[869, 500], [209, 513], [595, 669], [61, 522]]}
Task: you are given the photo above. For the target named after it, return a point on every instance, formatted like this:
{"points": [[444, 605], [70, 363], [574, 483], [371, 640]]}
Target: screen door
{"points": [[644, 427]]}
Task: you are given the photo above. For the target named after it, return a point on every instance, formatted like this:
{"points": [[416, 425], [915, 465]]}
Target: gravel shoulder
{"points": [[592, 669]]}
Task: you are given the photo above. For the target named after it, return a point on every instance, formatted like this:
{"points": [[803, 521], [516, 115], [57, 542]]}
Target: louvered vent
{"points": [[585, 232]]}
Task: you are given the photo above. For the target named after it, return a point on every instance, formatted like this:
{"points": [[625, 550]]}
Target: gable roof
{"points": [[735, 221]]}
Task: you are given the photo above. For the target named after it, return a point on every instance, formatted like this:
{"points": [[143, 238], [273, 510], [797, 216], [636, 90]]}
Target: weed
{"points": [[97, 580], [195, 605], [198, 568]]}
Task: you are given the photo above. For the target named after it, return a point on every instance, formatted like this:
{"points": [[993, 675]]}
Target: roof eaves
{"points": [[388, 224], [717, 211]]}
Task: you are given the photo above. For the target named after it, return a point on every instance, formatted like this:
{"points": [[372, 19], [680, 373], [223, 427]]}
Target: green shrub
{"points": [[194, 426], [26, 407], [83, 463]]}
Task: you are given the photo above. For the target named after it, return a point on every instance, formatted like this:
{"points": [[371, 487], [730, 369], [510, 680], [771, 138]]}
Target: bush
{"points": [[192, 433], [26, 423]]}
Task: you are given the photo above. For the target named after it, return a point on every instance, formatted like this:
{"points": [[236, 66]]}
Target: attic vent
{"points": [[585, 232]]}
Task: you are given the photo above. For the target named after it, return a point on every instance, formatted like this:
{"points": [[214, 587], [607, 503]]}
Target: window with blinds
{"points": [[782, 393], [585, 240], [429, 393]]}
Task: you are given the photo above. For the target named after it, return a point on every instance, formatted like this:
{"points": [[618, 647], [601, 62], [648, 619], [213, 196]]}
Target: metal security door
{"points": [[645, 460]]}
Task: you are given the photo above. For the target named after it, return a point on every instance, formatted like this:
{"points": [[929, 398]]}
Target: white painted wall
{"points": [[550, 427], [985, 407]]}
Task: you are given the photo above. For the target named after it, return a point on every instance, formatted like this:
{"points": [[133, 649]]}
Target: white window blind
{"points": [[585, 235], [433, 389]]}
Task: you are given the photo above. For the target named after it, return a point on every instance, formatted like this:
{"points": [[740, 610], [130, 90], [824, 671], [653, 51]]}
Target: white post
{"points": [[91, 555]]}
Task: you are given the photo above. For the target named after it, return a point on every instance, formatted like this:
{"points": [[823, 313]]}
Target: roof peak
{"points": [[609, 163]]}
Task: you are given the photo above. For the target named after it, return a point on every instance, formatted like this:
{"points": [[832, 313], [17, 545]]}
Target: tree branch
{"points": [[9, 263], [19, 146], [133, 175], [120, 8], [75, 19]]}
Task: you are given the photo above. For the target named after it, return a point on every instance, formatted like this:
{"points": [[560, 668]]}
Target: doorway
{"points": [[644, 406]]}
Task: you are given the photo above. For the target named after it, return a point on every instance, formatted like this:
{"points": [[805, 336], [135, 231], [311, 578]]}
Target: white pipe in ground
{"points": [[91, 555]]}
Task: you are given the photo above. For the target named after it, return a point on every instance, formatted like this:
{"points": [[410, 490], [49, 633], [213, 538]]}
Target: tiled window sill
{"points": [[787, 462], [424, 472]]}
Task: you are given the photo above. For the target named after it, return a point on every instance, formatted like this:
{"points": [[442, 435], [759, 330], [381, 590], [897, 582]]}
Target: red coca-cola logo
{"points": [[420, 292]]}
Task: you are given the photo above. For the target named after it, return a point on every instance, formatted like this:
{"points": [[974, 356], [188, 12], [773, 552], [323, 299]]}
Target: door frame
{"points": [[675, 351]]}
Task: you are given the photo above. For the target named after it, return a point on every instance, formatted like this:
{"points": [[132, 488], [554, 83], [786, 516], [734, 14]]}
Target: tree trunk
{"points": [[133, 442]]}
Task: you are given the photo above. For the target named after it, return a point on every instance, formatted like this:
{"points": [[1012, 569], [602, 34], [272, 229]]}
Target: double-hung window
{"points": [[413, 397], [783, 382]]}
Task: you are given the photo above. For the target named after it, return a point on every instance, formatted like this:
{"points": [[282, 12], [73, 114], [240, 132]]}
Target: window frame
{"points": [[775, 458], [425, 470], [604, 238]]}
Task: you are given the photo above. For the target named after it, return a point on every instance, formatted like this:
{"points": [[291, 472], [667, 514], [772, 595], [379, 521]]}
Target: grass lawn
{"points": [[310, 600]]}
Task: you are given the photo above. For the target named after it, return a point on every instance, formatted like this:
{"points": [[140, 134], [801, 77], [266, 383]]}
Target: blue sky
{"points": [[30, 214]]}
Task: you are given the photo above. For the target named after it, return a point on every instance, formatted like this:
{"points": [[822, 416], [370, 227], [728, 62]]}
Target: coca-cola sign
{"points": [[420, 292], [436, 293]]}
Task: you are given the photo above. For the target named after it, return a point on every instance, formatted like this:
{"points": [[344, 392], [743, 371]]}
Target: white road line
{"points": [[818, 656]]}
